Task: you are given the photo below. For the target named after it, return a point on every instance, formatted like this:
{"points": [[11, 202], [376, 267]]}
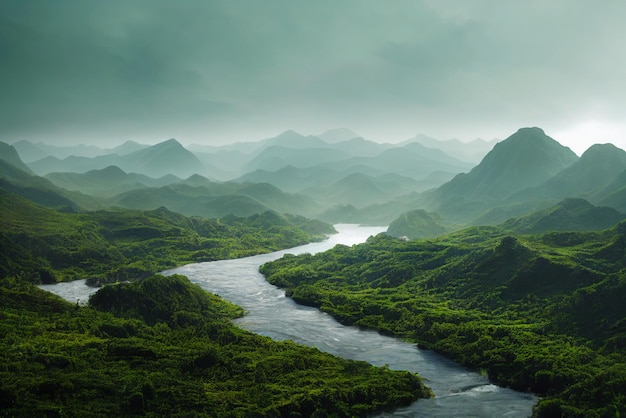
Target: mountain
{"points": [[473, 151], [126, 148], [596, 168], [168, 157], [571, 214], [360, 147], [16, 178], [108, 181], [215, 200], [417, 224], [613, 194], [277, 156], [525, 159], [292, 179], [333, 136], [412, 160], [292, 139], [10, 155], [30, 152]]}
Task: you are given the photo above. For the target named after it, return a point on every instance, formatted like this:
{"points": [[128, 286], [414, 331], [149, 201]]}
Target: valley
{"points": [[505, 256]]}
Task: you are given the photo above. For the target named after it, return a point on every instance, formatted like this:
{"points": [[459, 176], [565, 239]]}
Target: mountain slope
{"points": [[473, 151], [596, 168], [570, 214], [417, 224], [10, 155], [526, 159], [107, 182], [168, 157]]}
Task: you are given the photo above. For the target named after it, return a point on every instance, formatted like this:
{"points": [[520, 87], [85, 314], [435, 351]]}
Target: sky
{"points": [[219, 71]]}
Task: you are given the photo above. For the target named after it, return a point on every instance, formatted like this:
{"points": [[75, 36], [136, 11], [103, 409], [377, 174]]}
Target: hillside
{"points": [[539, 312], [108, 181], [417, 224], [571, 214], [595, 168], [43, 245], [167, 157], [214, 200], [164, 347], [525, 159]]}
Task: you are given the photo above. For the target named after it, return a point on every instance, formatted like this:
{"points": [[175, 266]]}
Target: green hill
{"points": [[43, 245], [107, 182], [417, 224], [570, 214], [164, 347], [540, 313]]}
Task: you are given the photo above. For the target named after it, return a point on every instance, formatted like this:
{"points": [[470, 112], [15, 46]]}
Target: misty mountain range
{"points": [[427, 186]]}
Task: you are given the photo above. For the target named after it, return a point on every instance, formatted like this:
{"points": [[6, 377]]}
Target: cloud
{"points": [[203, 70]]}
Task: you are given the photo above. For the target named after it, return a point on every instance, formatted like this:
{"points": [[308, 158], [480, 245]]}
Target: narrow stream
{"points": [[458, 391]]}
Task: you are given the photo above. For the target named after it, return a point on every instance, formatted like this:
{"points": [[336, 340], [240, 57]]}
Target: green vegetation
{"points": [[158, 346], [541, 313], [161, 346], [43, 245]]}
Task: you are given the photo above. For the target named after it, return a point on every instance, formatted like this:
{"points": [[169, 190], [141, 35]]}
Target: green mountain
{"points": [[473, 151], [10, 155], [16, 177], [613, 194], [108, 181], [168, 157], [525, 159], [411, 160], [215, 200], [596, 168], [571, 214], [418, 224]]}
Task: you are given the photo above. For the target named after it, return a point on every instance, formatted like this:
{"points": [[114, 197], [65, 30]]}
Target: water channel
{"points": [[459, 392]]}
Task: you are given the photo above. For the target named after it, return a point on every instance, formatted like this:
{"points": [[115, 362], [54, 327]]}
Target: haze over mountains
{"points": [[431, 186]]}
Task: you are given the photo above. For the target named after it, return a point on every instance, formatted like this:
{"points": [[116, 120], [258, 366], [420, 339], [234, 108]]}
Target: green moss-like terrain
{"points": [[43, 245], [161, 346], [158, 346], [541, 313]]}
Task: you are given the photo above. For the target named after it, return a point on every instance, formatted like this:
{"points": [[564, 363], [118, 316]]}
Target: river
{"points": [[459, 392]]}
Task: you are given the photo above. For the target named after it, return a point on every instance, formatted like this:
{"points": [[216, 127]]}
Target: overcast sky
{"points": [[215, 72]]}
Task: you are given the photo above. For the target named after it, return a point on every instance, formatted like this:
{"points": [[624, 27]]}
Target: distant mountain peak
{"points": [[170, 142], [338, 135]]}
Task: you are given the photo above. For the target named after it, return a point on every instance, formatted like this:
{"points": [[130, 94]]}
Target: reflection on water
{"points": [[458, 391]]}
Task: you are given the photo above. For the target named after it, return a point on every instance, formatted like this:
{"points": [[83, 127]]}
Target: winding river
{"points": [[458, 391]]}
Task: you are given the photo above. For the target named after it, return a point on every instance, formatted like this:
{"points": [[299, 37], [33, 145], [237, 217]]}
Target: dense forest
{"points": [[153, 345], [164, 347], [43, 245], [541, 313]]}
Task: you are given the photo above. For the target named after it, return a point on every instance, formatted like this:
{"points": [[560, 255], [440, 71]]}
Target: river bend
{"points": [[459, 392]]}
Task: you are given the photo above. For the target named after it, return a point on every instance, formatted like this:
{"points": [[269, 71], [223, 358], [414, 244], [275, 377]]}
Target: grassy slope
{"points": [[537, 312]]}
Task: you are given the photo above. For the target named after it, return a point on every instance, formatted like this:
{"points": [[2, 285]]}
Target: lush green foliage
{"points": [[167, 348], [44, 245], [543, 313]]}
